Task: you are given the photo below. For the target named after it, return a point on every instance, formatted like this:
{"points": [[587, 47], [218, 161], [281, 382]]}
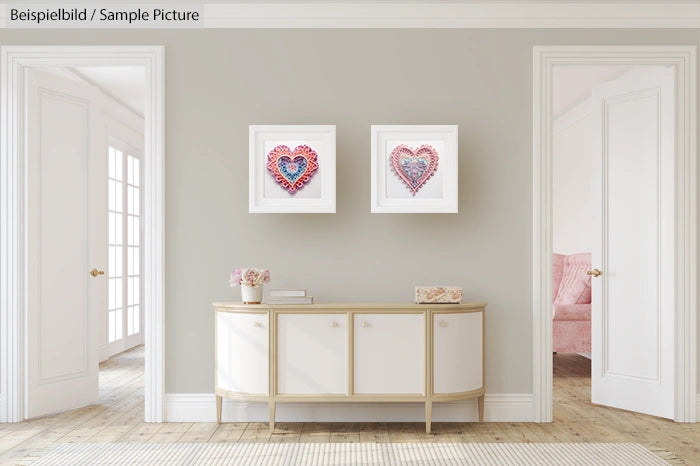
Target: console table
{"points": [[348, 353]]}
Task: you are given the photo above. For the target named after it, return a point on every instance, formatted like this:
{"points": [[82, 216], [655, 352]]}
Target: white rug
{"points": [[254, 454]]}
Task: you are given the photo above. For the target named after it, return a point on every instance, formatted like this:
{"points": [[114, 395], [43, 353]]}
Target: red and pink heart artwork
{"points": [[414, 167], [292, 169]]}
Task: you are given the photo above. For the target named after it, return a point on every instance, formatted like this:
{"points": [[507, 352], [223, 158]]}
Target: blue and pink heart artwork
{"points": [[414, 166], [292, 169]]}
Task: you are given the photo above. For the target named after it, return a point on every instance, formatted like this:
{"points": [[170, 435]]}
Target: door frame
{"points": [[14, 61], [683, 58]]}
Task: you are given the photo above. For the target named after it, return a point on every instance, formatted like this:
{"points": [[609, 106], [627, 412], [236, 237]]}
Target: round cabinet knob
{"points": [[365, 324], [334, 324], [443, 323], [256, 324]]}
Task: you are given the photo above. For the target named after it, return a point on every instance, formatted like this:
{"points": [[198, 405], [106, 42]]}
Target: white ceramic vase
{"points": [[251, 294]]}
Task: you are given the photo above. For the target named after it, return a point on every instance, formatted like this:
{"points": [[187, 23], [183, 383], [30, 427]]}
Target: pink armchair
{"points": [[571, 295]]}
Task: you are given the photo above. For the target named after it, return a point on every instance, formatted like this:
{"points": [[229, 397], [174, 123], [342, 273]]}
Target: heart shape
{"points": [[292, 169], [414, 167]]}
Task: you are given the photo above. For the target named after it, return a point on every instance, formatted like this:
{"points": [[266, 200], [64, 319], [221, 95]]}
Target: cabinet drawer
{"points": [[457, 352], [389, 352], [312, 354], [242, 352]]}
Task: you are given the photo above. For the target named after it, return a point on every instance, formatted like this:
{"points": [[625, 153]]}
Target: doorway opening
{"points": [[643, 196], [85, 143], [573, 103], [85, 124]]}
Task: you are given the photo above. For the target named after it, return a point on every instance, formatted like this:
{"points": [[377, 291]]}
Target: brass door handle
{"points": [[95, 272], [595, 273]]}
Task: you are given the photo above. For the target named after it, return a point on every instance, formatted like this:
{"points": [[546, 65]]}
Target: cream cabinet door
{"points": [[389, 353], [242, 352], [312, 354], [457, 352]]}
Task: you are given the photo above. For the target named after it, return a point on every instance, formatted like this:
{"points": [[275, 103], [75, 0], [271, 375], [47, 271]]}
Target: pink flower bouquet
{"points": [[249, 277]]}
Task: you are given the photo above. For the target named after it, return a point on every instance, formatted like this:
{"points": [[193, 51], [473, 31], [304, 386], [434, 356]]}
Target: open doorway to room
{"points": [[83, 201], [572, 216], [613, 238], [643, 229], [85, 144]]}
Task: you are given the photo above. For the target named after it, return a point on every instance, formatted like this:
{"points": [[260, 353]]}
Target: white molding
{"points": [[458, 14], [683, 58], [13, 61], [201, 407]]}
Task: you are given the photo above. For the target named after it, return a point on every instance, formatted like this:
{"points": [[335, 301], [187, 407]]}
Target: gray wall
{"points": [[220, 81]]}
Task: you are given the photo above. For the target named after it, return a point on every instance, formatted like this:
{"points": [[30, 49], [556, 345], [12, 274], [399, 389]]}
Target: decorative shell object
{"points": [[438, 294]]}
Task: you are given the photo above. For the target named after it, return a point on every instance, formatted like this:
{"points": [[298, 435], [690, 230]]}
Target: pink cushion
{"points": [[571, 336], [572, 311], [557, 272], [575, 287]]}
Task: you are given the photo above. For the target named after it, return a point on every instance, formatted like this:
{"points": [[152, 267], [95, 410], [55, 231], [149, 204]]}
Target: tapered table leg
{"points": [[481, 408], [272, 415], [218, 409], [428, 415]]}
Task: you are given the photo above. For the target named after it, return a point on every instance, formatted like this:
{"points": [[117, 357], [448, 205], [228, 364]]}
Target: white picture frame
{"points": [[398, 189], [273, 191]]}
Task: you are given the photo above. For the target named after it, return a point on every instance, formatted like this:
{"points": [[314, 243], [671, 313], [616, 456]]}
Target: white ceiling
{"points": [[124, 83], [573, 83]]}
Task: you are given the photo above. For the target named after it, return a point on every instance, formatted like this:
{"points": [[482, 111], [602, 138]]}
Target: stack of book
{"points": [[288, 297]]}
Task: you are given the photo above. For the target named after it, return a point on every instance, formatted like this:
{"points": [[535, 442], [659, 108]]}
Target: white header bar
{"points": [[359, 14]]}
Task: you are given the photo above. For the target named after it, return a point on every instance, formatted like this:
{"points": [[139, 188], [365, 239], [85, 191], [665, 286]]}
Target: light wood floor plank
{"points": [[228, 432], [256, 432], [313, 432], [199, 432]]}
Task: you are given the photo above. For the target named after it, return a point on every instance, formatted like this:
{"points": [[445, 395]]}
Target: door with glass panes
{"points": [[124, 310]]}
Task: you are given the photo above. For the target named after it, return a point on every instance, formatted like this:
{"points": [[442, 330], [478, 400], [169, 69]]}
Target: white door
{"points": [[633, 242], [389, 353], [312, 354], [66, 231]]}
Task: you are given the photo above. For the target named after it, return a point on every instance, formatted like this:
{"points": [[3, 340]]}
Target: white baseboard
{"points": [[201, 407], [697, 407]]}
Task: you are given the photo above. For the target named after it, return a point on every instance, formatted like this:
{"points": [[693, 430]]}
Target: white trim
{"points": [[201, 407], [13, 61], [683, 58], [458, 14]]}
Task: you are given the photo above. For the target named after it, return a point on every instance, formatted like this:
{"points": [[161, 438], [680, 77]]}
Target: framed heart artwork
{"points": [[291, 168], [414, 168]]}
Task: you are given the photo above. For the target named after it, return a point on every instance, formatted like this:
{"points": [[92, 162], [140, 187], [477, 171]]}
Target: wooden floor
{"points": [[119, 418]]}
